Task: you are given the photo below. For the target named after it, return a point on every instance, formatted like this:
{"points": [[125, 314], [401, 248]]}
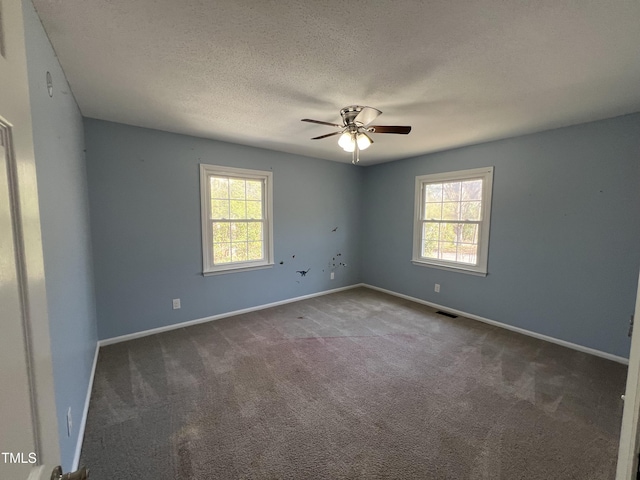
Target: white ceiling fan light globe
{"points": [[363, 141], [344, 139], [350, 148], [347, 142]]}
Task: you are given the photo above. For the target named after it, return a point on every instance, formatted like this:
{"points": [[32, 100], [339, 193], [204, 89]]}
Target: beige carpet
{"points": [[353, 385]]}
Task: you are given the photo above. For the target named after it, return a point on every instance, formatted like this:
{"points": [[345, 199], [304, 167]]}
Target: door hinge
{"points": [[630, 326]]}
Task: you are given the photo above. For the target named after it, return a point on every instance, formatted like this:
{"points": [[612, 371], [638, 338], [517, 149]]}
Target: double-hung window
{"points": [[237, 225], [452, 217]]}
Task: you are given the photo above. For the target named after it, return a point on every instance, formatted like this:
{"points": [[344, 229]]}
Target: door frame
{"points": [[628, 451], [15, 112]]}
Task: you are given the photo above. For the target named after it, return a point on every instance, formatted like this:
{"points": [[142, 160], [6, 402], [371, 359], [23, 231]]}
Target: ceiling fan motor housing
{"points": [[350, 113]]}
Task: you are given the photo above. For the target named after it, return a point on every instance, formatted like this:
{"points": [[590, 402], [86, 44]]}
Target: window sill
{"points": [[451, 269], [236, 269]]}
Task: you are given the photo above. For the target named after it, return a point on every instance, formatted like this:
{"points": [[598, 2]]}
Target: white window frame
{"points": [[486, 174], [208, 266]]}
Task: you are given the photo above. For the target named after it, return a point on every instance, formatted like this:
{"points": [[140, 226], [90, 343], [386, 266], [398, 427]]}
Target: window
{"points": [[452, 220], [237, 225]]}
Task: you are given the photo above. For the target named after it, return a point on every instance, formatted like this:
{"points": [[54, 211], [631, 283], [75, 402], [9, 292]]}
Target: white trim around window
{"points": [[452, 216], [237, 219]]}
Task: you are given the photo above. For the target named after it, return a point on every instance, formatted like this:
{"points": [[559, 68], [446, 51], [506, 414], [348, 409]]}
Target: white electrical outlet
{"points": [[437, 288], [176, 303], [333, 275], [69, 422]]}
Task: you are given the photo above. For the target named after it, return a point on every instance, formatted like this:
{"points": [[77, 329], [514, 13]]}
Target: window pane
{"points": [[254, 210], [237, 188], [238, 232], [451, 211], [219, 187], [221, 253], [254, 190], [433, 192], [431, 231], [468, 253], [430, 249], [433, 211], [472, 190], [238, 209], [448, 232], [451, 191], [447, 251], [254, 251], [219, 209], [254, 232], [469, 233], [470, 210], [239, 251], [221, 232]]}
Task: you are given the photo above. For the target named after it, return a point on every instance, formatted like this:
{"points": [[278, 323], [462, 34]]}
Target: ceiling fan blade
{"points": [[321, 123], [390, 129], [327, 135], [367, 115]]}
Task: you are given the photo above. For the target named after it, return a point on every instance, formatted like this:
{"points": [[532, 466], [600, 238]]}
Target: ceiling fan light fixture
{"points": [[363, 141], [347, 142], [356, 127], [350, 148]]}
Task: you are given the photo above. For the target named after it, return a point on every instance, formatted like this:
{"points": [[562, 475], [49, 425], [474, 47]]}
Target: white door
{"points": [[28, 427], [628, 452], [16, 419]]}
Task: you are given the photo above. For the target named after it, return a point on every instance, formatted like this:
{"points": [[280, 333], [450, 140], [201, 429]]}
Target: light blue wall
{"points": [[64, 211], [563, 254], [145, 213], [563, 257]]}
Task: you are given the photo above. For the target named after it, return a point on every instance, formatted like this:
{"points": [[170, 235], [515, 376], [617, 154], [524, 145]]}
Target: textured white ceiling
{"points": [[460, 72]]}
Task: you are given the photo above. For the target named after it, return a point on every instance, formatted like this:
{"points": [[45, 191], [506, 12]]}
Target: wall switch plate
{"points": [[176, 303], [69, 422], [437, 288], [333, 275]]}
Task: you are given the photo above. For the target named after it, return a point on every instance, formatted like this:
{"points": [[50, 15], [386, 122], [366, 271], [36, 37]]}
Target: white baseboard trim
{"points": [[564, 343], [188, 323], [83, 422]]}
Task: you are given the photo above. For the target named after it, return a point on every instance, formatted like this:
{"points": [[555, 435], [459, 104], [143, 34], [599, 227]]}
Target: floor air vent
{"points": [[447, 314]]}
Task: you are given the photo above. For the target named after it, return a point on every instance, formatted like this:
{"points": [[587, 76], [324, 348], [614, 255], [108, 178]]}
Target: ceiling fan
{"points": [[354, 133]]}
